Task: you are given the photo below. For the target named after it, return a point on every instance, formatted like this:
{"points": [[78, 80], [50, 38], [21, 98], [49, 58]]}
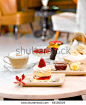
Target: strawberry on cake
{"points": [[42, 72]]}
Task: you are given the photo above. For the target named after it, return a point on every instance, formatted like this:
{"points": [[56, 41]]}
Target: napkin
{"points": [[74, 45], [62, 51]]}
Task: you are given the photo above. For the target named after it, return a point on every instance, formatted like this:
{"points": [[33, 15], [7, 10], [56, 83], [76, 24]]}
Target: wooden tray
{"points": [[58, 77], [69, 72]]}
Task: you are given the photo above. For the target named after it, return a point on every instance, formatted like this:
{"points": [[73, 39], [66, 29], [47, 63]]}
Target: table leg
{"points": [[51, 31], [1, 29], [84, 97], [38, 33], [47, 25], [44, 28], [56, 35], [32, 28]]}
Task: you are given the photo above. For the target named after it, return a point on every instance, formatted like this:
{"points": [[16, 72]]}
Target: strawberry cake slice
{"points": [[42, 72]]}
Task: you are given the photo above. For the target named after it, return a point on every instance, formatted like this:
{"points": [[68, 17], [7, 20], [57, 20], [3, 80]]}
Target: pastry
{"points": [[80, 48], [74, 52], [75, 66], [76, 49], [73, 58], [42, 72], [84, 52]]}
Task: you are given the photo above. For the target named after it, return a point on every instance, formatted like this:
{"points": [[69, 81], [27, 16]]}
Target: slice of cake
{"points": [[42, 72], [78, 58]]}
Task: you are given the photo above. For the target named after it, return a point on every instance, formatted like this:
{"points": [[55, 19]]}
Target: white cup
{"points": [[18, 61]]}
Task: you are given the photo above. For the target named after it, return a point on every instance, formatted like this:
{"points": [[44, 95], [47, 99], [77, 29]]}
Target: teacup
{"points": [[18, 61]]}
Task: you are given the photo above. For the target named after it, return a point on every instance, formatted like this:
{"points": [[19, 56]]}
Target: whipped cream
{"points": [[14, 55], [45, 69]]}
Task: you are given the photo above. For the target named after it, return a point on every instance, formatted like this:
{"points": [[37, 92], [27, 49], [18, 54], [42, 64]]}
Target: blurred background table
{"points": [[45, 23]]}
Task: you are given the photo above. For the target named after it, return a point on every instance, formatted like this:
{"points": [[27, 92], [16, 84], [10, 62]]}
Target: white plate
{"points": [[59, 80], [68, 71]]}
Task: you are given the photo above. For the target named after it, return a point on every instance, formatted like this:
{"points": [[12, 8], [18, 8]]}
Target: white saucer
{"points": [[10, 68]]}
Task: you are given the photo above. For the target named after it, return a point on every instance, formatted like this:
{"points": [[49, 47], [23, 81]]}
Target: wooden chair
{"points": [[71, 22], [66, 5], [75, 1], [9, 15]]}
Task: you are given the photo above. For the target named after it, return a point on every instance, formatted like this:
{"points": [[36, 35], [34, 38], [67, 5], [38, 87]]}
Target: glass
{"points": [[42, 52], [60, 66], [75, 66]]}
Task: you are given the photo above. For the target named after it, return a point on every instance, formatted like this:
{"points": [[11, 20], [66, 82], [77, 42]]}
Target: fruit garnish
{"points": [[47, 50], [20, 80], [55, 44], [41, 63]]}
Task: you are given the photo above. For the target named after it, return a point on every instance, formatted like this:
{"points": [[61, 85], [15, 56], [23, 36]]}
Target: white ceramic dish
{"points": [[68, 71], [59, 80], [41, 54], [10, 68]]}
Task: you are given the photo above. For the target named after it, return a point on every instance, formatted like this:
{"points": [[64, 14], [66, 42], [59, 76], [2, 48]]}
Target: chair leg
{"points": [[16, 31], [1, 29], [83, 39], [32, 28], [56, 35]]}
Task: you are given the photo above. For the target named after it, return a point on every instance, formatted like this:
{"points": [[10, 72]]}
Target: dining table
{"points": [[72, 86]]}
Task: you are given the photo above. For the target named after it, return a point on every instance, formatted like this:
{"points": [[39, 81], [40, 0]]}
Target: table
{"points": [[44, 23], [73, 86]]}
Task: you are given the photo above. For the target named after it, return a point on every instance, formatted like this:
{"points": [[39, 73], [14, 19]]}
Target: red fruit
{"points": [[42, 63]]}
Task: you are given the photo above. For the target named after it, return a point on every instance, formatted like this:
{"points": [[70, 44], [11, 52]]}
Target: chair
{"points": [[71, 22], [9, 15], [75, 1]]}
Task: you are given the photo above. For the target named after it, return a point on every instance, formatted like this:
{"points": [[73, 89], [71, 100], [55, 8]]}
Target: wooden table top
{"points": [[72, 86]]}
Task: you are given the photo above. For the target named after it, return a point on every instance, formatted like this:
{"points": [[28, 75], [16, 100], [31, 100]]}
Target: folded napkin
{"points": [[64, 50]]}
